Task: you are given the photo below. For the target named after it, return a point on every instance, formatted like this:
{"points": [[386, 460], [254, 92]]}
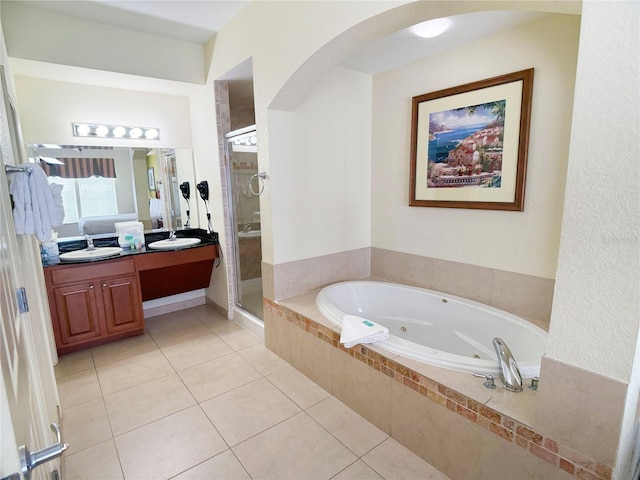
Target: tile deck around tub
{"points": [[449, 389]]}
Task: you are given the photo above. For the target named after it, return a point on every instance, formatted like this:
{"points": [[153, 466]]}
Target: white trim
{"points": [[173, 303], [248, 321]]}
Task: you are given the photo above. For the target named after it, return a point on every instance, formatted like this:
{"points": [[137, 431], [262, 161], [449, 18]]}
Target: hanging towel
{"points": [[22, 213], [57, 208], [35, 211], [360, 330]]}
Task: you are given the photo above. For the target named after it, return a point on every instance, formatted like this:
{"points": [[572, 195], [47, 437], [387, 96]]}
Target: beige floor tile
{"points": [[357, 434], [75, 362], [96, 463], [194, 352], [78, 388], [297, 387], [182, 330], [218, 376], [167, 319], [168, 446], [133, 371], [238, 339], [85, 426], [225, 466], [263, 359], [358, 471], [142, 404], [123, 349], [392, 460], [208, 315], [248, 410], [296, 448], [218, 323]]}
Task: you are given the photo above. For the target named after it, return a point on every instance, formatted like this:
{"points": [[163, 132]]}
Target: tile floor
{"points": [[198, 397]]}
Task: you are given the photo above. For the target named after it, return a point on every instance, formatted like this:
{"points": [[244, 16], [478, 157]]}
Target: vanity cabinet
{"points": [[94, 304]]}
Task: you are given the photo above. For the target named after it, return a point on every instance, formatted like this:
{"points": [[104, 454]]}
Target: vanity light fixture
{"points": [[114, 131], [431, 28]]}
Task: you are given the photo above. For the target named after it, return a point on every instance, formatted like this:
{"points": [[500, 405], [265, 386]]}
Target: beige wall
{"points": [[523, 242]]}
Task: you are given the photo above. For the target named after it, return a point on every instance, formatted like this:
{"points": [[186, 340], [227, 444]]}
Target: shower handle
{"points": [[259, 176]]}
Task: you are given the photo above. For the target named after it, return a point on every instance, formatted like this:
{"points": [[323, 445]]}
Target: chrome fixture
{"points": [[489, 383], [534, 384], [30, 460], [509, 371], [89, 243], [172, 235], [115, 131]]}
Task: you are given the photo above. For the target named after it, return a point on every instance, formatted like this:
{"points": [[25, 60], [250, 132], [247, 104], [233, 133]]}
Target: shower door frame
{"points": [[233, 241]]}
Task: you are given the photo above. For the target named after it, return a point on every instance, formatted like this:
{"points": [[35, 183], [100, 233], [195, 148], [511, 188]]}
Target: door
{"points": [[245, 185], [121, 300], [25, 390], [77, 315]]}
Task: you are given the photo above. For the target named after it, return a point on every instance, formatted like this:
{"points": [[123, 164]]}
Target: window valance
{"points": [[74, 167]]}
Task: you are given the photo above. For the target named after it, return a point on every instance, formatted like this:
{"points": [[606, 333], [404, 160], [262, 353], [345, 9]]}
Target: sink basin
{"points": [[249, 233], [170, 244], [100, 252]]}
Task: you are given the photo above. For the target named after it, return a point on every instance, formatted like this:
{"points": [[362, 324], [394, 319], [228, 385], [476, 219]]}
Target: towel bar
{"points": [[14, 169]]}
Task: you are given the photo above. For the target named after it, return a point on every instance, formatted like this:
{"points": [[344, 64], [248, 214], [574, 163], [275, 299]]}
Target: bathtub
{"points": [[436, 328]]}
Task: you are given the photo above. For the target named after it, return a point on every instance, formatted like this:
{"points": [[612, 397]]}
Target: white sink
{"points": [[170, 244], [100, 252], [249, 234]]}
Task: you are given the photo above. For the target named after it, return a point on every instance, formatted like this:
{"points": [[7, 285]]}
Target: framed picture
{"points": [[469, 144], [152, 179]]}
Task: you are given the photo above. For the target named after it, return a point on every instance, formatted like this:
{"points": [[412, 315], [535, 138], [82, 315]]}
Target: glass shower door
{"points": [[242, 169]]}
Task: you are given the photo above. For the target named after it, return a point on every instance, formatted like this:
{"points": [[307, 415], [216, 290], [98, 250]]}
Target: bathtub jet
{"points": [[437, 328]]}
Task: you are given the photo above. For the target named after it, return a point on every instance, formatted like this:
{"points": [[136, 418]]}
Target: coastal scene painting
{"points": [[465, 146], [469, 144]]}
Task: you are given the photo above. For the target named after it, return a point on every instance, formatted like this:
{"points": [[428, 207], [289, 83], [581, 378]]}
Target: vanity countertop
{"points": [[79, 244]]}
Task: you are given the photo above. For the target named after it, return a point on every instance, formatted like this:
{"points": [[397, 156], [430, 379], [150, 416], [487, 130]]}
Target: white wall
{"points": [[524, 242], [595, 320], [48, 108], [81, 43], [320, 184]]}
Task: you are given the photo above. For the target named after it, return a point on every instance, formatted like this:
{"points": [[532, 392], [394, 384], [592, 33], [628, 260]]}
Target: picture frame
{"points": [[152, 180], [469, 144]]}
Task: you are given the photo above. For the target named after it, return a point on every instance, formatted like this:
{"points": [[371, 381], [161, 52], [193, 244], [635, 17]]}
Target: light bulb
{"points": [[119, 132], [102, 131], [135, 132], [151, 134], [83, 130]]}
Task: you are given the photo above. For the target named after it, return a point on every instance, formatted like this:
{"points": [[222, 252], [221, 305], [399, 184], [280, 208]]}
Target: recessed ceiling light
{"points": [[431, 28]]}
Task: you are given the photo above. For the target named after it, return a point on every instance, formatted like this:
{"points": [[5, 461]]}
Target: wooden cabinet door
{"points": [[122, 305], [77, 313]]}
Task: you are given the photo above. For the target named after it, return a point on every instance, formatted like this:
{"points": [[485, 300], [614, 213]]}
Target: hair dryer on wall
{"points": [[185, 189], [203, 189]]}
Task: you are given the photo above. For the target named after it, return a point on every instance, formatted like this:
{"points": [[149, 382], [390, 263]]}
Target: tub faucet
{"points": [[509, 371]]}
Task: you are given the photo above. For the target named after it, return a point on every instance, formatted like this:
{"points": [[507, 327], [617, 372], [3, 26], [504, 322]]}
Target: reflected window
{"points": [[87, 197]]}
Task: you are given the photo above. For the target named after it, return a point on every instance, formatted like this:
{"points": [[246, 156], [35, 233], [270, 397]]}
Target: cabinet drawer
{"points": [[107, 268]]}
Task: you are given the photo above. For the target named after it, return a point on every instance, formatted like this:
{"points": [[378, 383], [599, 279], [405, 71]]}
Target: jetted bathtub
{"points": [[437, 328]]}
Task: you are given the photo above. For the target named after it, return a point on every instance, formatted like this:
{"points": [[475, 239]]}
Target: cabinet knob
{"points": [[91, 286], [104, 284]]}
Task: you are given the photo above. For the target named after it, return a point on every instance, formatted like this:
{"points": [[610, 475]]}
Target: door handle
{"points": [[30, 460]]}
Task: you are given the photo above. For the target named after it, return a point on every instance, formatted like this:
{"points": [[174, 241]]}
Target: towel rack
{"points": [[14, 169]]}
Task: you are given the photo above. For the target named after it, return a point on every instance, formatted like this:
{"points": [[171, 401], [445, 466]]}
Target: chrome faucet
{"points": [[509, 371], [172, 235], [89, 243]]}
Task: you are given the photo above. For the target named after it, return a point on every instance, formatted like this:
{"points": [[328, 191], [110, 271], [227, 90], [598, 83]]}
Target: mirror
{"points": [[103, 185]]}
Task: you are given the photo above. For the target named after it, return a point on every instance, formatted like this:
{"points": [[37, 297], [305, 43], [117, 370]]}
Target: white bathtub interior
{"points": [[437, 328]]}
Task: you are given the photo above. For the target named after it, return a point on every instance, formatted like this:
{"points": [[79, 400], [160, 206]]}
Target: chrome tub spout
{"points": [[509, 371]]}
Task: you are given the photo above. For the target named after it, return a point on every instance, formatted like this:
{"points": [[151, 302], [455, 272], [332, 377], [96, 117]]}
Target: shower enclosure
{"points": [[244, 187]]}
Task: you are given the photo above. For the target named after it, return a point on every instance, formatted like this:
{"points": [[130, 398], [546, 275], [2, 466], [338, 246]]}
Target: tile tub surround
{"points": [[414, 403], [527, 296]]}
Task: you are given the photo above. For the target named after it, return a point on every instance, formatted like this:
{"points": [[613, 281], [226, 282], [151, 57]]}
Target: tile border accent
{"points": [[548, 449]]}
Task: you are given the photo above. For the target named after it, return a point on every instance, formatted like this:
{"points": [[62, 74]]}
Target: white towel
{"points": [[34, 209], [57, 209], [22, 214], [360, 330]]}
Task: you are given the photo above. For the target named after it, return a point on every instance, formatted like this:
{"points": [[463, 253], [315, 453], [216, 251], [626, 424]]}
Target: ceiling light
{"points": [[431, 28]]}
